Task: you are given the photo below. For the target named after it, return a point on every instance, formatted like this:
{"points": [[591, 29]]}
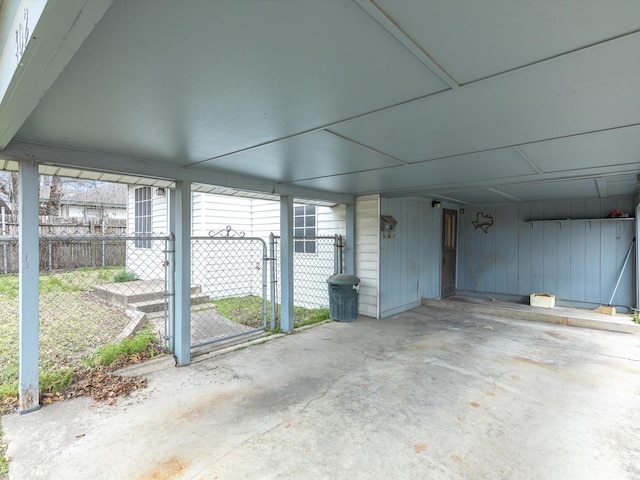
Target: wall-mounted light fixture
{"points": [[160, 192], [388, 226], [436, 204]]}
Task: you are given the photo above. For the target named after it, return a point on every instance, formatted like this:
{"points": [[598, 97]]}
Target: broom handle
{"points": [[626, 260]]}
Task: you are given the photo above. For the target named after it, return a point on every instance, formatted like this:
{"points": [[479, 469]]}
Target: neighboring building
{"points": [[104, 201]]}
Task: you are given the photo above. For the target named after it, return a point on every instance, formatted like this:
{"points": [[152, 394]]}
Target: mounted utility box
{"points": [[343, 297], [544, 300]]}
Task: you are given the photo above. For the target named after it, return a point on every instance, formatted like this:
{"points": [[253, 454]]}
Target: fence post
{"points": [[169, 324], [50, 256], [341, 255], [104, 245], [337, 253], [272, 257], [4, 244], [265, 263]]}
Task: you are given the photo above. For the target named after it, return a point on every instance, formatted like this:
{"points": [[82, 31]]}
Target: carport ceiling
{"points": [[476, 101]]}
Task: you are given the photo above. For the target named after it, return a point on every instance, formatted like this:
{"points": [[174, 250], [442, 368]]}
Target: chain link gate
{"points": [[232, 269]]}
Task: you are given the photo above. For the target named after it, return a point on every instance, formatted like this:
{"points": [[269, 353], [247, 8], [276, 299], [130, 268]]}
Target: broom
{"points": [[610, 309]]}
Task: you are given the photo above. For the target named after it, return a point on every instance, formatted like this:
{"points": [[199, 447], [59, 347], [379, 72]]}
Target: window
{"points": [[304, 225], [142, 212]]}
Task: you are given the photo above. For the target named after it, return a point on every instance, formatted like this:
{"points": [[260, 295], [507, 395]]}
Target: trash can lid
{"points": [[343, 279]]}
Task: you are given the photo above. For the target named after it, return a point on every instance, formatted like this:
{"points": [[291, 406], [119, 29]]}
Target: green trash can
{"points": [[343, 297]]}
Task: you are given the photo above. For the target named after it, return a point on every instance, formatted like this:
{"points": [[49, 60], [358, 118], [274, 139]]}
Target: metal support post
{"points": [[286, 263]]}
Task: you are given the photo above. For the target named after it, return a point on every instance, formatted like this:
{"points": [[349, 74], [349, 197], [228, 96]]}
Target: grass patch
{"points": [[55, 381], [4, 465], [124, 276], [78, 280], [143, 341], [72, 324], [248, 310], [9, 286]]}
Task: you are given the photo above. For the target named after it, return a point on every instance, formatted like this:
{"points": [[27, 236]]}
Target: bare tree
{"points": [[52, 205], [5, 191]]}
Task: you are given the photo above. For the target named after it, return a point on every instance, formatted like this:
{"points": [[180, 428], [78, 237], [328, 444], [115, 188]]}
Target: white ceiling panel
{"points": [[587, 91], [473, 39], [611, 147], [619, 185], [182, 82], [582, 188], [307, 156]]}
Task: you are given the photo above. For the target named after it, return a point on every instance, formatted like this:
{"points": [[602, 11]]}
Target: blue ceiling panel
{"points": [[548, 100], [611, 147], [473, 39], [307, 156], [478, 101], [428, 175], [182, 82]]}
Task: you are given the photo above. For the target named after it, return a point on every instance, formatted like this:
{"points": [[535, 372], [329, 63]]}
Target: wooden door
{"points": [[449, 242]]}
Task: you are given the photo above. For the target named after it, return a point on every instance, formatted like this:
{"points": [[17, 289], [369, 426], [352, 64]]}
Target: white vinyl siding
{"points": [[368, 253]]}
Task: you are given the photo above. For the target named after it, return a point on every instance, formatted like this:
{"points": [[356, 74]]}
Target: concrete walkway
{"points": [[428, 394]]}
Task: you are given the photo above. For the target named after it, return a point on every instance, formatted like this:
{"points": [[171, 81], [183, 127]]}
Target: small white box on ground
{"points": [[544, 300]]}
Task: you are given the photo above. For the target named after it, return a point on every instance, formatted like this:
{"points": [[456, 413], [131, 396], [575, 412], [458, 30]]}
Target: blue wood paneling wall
{"points": [[410, 261], [579, 262]]}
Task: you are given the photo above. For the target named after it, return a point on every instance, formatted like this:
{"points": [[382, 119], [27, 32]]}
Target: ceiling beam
{"points": [[502, 194], [108, 163], [394, 29], [43, 37], [521, 153], [601, 183]]}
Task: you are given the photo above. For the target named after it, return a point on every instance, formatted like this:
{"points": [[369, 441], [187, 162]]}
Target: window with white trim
{"points": [[304, 225], [142, 217]]}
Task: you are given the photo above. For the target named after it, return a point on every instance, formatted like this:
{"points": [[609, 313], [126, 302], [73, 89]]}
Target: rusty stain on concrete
{"points": [[474, 404], [167, 470], [420, 447]]}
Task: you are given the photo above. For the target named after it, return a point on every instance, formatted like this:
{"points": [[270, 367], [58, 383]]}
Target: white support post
{"points": [[183, 273], [29, 389], [286, 263], [351, 239]]}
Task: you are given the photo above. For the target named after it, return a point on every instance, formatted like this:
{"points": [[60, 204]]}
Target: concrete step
{"points": [[158, 305], [573, 317], [127, 293]]}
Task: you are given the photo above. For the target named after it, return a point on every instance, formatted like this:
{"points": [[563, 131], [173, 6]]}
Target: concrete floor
{"points": [[428, 394]]}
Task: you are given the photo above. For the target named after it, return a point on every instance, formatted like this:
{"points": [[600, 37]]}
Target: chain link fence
{"points": [[91, 288], [311, 270]]}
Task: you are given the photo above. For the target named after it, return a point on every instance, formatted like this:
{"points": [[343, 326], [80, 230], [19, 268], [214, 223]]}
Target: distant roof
{"points": [[105, 194]]}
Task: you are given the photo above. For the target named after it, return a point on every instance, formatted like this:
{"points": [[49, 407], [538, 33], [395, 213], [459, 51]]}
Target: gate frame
{"points": [[213, 236]]}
